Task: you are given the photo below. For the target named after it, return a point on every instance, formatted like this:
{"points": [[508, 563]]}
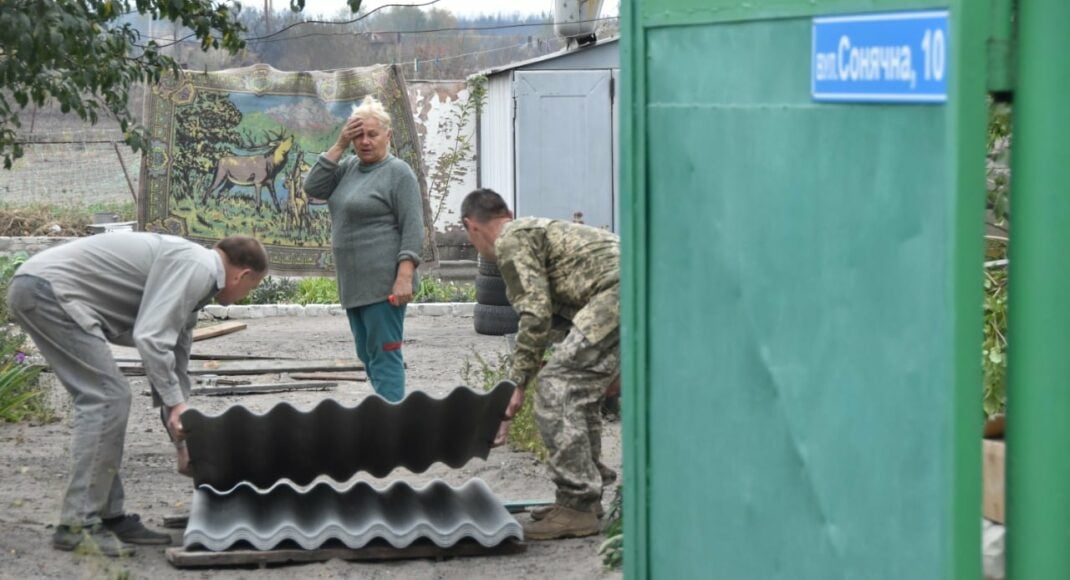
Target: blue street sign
{"points": [[882, 58]]}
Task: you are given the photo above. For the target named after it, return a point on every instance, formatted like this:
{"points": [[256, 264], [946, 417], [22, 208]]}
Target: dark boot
{"points": [[563, 522], [129, 529], [608, 475], [90, 540]]}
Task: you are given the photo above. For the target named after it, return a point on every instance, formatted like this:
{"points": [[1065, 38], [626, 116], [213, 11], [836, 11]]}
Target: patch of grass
{"points": [[21, 397], [324, 290], [524, 432], [612, 549], [317, 291], [435, 290], [235, 212]]}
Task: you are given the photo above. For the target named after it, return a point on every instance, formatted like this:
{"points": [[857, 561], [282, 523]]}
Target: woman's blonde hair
{"points": [[371, 107]]}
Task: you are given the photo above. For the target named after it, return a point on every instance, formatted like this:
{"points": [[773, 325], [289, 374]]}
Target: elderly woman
{"points": [[376, 236]]}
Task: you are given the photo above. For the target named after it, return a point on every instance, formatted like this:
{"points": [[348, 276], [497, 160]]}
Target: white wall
{"points": [[433, 103]]}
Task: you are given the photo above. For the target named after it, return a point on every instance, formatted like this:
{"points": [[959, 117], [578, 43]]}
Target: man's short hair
{"points": [[244, 252], [483, 205]]}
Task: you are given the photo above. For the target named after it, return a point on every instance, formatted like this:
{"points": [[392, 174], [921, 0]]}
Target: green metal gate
{"points": [[801, 315]]}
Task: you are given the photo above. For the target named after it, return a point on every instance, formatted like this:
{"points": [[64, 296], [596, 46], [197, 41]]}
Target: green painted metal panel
{"points": [[1038, 403], [801, 312]]}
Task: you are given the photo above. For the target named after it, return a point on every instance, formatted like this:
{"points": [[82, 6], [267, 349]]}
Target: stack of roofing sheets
{"points": [[262, 479]]}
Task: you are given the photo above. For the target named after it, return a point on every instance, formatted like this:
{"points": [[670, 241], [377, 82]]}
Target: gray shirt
{"points": [[376, 221], [136, 289]]}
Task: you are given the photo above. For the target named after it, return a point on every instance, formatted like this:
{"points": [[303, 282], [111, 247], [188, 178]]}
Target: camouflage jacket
{"points": [[555, 267]]}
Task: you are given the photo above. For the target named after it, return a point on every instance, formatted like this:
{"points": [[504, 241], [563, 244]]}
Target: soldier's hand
{"points": [[613, 390], [516, 402], [503, 434]]}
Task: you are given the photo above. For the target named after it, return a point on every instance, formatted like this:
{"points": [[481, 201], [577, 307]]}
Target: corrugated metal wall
{"points": [[496, 137]]}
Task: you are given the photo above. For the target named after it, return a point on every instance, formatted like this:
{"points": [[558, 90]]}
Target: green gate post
{"points": [[801, 298], [1038, 424]]}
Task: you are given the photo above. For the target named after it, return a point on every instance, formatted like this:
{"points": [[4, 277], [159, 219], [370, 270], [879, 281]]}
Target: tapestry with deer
{"points": [[230, 151]]}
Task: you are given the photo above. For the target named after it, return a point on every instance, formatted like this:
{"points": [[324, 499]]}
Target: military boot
{"points": [[540, 513], [563, 522]]}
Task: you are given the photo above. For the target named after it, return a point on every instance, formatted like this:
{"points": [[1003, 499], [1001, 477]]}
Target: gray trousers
{"points": [[83, 362], [568, 396]]}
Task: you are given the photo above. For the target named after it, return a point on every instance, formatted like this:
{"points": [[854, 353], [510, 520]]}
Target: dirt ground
{"points": [[33, 465]]}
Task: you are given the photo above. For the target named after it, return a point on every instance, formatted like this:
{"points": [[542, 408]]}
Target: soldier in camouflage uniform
{"points": [[565, 271]]}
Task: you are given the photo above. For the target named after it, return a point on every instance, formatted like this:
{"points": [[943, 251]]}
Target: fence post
{"points": [[1038, 423]]}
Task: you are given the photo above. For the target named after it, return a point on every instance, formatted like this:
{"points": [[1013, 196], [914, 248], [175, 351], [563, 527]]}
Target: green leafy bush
{"points": [[994, 350], [273, 291], [317, 291], [21, 397]]}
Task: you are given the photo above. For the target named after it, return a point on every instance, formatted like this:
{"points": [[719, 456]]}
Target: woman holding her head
{"points": [[376, 236]]}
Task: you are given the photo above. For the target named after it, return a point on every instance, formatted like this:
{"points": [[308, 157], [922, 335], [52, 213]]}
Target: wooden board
{"points": [[263, 388], [215, 330], [255, 367], [328, 377], [995, 426], [182, 558], [993, 468]]}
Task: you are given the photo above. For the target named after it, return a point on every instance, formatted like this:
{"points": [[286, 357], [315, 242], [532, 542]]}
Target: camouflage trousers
{"points": [[567, 409]]}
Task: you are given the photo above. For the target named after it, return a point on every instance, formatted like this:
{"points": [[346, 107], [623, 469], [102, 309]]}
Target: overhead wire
{"points": [[267, 38], [303, 22]]}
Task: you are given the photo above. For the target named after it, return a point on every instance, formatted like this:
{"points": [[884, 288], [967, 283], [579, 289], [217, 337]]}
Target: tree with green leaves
{"points": [[87, 54], [204, 132]]}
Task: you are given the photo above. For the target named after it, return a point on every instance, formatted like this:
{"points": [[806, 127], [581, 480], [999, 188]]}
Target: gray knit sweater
{"points": [[376, 221]]}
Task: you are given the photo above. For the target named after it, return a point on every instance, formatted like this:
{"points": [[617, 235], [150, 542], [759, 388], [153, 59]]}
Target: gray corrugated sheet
{"points": [[355, 516], [337, 441]]}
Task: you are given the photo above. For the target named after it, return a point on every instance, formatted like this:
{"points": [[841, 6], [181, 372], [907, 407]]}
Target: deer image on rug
{"points": [[298, 216], [258, 171]]}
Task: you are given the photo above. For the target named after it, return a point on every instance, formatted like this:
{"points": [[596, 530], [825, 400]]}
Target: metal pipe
{"points": [[1038, 419]]}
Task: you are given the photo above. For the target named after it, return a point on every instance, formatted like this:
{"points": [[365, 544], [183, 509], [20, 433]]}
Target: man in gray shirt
{"points": [[132, 289]]}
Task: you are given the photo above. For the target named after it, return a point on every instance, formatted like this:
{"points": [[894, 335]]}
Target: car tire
{"points": [[495, 320], [487, 267], [490, 290]]}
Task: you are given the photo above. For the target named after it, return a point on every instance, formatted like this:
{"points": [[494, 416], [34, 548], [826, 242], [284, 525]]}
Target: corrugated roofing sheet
{"points": [[355, 516], [375, 436]]}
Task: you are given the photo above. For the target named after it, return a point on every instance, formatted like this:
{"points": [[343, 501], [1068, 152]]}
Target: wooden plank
{"points": [[176, 521], [256, 367], [263, 388], [133, 360], [995, 426], [182, 558], [206, 332], [993, 468], [211, 356], [520, 506], [328, 377]]}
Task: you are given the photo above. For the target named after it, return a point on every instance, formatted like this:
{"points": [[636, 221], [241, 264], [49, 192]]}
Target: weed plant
{"points": [[523, 432]]}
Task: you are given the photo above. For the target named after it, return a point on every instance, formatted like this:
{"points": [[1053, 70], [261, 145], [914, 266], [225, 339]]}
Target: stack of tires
{"points": [[493, 314]]}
